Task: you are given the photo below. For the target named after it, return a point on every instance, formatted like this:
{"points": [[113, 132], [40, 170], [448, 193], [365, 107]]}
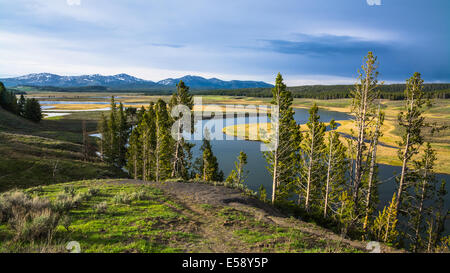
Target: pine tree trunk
{"points": [[144, 158], [359, 148], [403, 175], [135, 165], [310, 163], [371, 175], [327, 189], [420, 210], [406, 156], [275, 174], [175, 170]]}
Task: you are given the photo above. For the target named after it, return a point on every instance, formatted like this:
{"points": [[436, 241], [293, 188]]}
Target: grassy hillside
{"points": [[49, 152], [132, 216]]}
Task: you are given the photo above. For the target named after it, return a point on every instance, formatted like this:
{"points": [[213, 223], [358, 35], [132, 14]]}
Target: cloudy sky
{"points": [[308, 41]]}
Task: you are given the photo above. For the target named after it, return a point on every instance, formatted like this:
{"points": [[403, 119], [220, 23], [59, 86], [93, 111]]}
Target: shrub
{"points": [[94, 191], [69, 190], [122, 198], [66, 221], [30, 218], [37, 225], [18, 202], [101, 207], [63, 203], [140, 195]]}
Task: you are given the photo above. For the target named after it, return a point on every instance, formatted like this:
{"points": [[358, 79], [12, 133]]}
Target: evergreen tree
{"points": [[123, 133], [262, 193], [207, 165], [33, 110], [364, 110], [436, 225], [182, 151], [112, 151], [103, 129], [423, 184], [412, 122], [313, 147], [281, 160], [134, 153], [385, 225], [115, 131], [238, 175], [372, 189], [336, 168], [8, 100], [164, 142], [21, 105], [147, 130]]}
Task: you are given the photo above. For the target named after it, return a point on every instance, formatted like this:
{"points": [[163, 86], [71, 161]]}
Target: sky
{"points": [[309, 42]]}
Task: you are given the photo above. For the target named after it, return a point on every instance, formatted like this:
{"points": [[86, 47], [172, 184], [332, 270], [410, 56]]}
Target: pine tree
{"points": [[239, 174], [2, 95], [436, 225], [262, 193], [33, 110], [21, 105], [424, 183], [364, 110], [123, 133], [372, 192], [208, 165], [164, 142], [182, 155], [8, 100], [85, 146], [412, 122], [147, 129], [281, 163], [134, 153], [385, 225], [313, 148], [336, 167], [345, 213], [104, 136], [112, 138]]}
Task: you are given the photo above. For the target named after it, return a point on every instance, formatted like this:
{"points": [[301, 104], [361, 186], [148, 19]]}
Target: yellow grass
{"points": [[391, 137]]}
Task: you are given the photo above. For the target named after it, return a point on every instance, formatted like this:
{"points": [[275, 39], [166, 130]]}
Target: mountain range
{"points": [[125, 81]]}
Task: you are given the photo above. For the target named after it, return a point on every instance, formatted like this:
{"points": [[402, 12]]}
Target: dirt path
{"points": [[193, 195]]}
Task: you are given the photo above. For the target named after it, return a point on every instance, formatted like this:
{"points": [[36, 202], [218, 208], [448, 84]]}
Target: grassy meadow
{"points": [[108, 216]]}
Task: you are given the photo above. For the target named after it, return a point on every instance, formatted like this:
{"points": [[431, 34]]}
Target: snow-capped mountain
{"points": [[125, 81], [47, 79]]}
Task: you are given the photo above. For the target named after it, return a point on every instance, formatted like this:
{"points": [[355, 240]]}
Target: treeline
{"points": [[27, 108], [325, 92], [337, 184], [142, 142]]}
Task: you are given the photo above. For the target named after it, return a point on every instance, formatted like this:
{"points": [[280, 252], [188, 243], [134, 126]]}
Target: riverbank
{"points": [[387, 152]]}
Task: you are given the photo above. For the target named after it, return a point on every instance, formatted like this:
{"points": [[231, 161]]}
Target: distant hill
{"points": [[124, 81], [197, 82]]}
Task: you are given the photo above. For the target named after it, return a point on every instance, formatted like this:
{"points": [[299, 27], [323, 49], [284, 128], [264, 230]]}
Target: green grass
{"points": [[154, 222], [142, 226], [45, 153]]}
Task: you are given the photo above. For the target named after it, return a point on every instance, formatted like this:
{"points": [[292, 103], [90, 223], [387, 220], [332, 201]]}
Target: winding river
{"points": [[226, 152]]}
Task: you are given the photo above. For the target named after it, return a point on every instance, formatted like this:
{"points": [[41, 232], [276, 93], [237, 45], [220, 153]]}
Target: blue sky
{"points": [[309, 42]]}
